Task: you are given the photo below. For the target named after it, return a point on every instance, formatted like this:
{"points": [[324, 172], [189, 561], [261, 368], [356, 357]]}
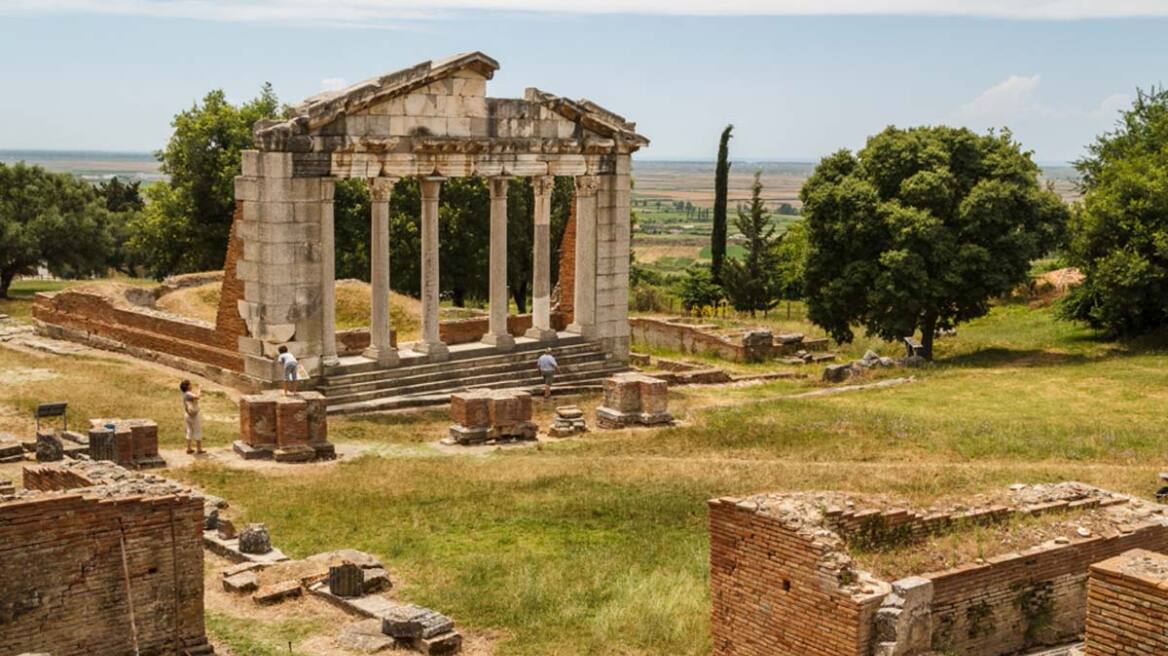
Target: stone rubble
{"points": [[254, 539], [838, 373], [569, 421]]}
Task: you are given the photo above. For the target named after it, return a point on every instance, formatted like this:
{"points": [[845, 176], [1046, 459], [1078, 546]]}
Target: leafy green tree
{"points": [[185, 225], [750, 283], [721, 182], [791, 262], [50, 219], [1119, 234], [121, 197], [697, 289], [922, 229]]}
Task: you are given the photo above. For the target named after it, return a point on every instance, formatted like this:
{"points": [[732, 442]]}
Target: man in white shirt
{"points": [[548, 368]]}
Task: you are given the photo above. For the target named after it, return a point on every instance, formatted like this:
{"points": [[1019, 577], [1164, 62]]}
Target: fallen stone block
{"points": [[277, 592], [250, 452], [376, 580], [410, 622], [49, 448], [11, 451], [346, 580], [254, 539], [241, 568], [837, 373], [365, 637], [439, 645], [241, 583]]}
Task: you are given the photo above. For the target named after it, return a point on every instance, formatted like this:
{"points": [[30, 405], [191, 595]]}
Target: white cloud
{"points": [[1112, 105], [393, 13], [332, 83], [1011, 98]]}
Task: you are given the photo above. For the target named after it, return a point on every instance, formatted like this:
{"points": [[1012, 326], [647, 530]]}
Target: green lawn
{"points": [[599, 546]]}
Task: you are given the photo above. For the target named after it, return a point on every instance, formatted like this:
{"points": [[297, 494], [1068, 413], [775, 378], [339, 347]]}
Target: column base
{"points": [[587, 332], [542, 334], [504, 342], [436, 351], [330, 361], [384, 357]]}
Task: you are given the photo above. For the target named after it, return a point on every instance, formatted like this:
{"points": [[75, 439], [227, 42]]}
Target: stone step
{"points": [[335, 376], [501, 379], [566, 362], [565, 384], [461, 354]]}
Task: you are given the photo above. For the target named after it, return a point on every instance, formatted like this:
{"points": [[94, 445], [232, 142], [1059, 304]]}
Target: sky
{"points": [[798, 78]]}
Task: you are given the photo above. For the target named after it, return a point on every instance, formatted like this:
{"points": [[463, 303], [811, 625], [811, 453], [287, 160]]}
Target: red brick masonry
{"points": [[1127, 605], [62, 589]]}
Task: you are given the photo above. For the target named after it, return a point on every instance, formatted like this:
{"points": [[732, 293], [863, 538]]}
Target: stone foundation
{"points": [[487, 415], [632, 399], [288, 428], [784, 584], [569, 421], [130, 443], [1127, 605]]}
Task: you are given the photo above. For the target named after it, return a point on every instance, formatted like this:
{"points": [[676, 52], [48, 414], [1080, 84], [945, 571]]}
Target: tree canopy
{"points": [[50, 219], [188, 218], [1119, 233], [750, 283], [721, 182], [921, 229]]}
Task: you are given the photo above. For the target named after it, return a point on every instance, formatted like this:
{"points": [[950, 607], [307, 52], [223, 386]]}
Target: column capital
{"points": [[381, 188], [498, 185], [542, 185], [587, 185], [430, 185]]}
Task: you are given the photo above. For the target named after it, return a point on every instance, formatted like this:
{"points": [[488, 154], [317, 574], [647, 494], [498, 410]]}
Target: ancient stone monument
{"points": [[431, 121], [483, 415], [569, 421], [632, 399], [288, 428]]}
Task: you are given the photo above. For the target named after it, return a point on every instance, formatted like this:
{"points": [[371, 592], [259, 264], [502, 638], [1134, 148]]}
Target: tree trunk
{"points": [[5, 281], [928, 331], [519, 293], [458, 297]]}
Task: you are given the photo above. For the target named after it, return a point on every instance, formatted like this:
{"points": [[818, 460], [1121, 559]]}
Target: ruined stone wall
{"points": [[686, 339], [775, 592], [95, 320], [567, 278], [1036, 597], [62, 589], [229, 325], [49, 478], [1128, 605]]}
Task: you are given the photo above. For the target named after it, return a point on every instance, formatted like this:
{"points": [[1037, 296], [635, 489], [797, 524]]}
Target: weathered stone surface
{"points": [[49, 448], [225, 529], [634, 399], [254, 539], [471, 409], [241, 583], [291, 421], [277, 592], [257, 419], [346, 580], [365, 637], [837, 373], [410, 621], [440, 645]]}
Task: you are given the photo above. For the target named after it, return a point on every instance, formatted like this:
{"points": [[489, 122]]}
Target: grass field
{"points": [[598, 545]]}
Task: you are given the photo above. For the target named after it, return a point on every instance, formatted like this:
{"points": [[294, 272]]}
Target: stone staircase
{"points": [[358, 385]]}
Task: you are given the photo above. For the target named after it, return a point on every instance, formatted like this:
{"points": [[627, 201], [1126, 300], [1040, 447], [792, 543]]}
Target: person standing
{"points": [[547, 368], [194, 425], [290, 366]]}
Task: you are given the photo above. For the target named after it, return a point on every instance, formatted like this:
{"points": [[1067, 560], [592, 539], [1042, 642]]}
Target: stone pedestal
{"points": [[569, 421], [632, 399], [346, 580], [288, 428], [130, 443], [481, 416]]}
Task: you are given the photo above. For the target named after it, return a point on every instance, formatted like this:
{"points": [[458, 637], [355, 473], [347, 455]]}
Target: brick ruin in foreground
{"points": [[783, 582], [1127, 605], [96, 570]]}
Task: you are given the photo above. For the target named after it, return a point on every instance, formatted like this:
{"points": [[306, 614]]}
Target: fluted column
{"points": [[497, 334], [380, 342], [584, 298], [328, 282], [431, 343], [541, 325]]}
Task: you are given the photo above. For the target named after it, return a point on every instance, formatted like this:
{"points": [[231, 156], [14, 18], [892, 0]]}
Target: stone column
{"points": [[328, 283], [380, 345], [584, 299], [431, 343], [541, 324], [497, 333]]}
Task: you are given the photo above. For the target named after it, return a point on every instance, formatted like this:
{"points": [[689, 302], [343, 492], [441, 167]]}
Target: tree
{"points": [[922, 229], [121, 197], [697, 289], [50, 219], [185, 225], [791, 262], [721, 181], [750, 283], [1119, 233]]}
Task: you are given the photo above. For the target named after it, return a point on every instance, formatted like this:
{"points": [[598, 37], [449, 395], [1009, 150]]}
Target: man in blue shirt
{"points": [[548, 368]]}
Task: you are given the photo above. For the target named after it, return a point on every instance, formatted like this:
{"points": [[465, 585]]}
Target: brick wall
{"points": [[775, 591], [567, 279], [62, 589], [1019, 600], [229, 326], [47, 478], [1127, 605]]}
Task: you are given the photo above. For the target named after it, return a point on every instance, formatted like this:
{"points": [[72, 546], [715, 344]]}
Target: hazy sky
{"points": [[798, 78]]}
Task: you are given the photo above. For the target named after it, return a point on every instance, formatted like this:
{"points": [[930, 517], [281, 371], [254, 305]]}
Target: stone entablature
{"points": [[430, 121]]}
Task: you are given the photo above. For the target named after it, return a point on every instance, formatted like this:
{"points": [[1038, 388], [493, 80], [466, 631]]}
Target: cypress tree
{"points": [[718, 236]]}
